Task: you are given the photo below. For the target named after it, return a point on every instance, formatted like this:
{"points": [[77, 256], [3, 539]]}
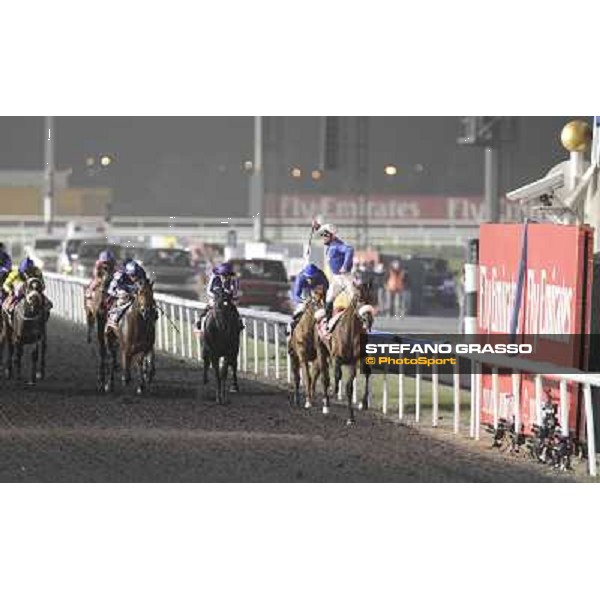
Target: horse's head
{"points": [[103, 272], [34, 294], [362, 291], [317, 296], [222, 299], [145, 298]]}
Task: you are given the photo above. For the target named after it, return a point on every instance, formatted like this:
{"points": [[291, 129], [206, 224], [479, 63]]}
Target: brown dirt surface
{"points": [[63, 429]]}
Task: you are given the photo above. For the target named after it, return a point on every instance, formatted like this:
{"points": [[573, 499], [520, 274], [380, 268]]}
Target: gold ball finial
{"points": [[576, 136]]}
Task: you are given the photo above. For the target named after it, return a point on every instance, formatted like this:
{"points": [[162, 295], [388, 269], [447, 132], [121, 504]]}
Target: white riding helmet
{"points": [[327, 228]]}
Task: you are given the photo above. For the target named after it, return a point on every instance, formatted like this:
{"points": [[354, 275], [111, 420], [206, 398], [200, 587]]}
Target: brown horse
{"points": [[344, 345], [95, 306], [134, 336], [27, 326], [96, 312], [306, 349]]}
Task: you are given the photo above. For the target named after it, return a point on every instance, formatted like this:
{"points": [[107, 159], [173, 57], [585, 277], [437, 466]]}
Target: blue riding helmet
{"points": [[25, 265], [106, 256], [310, 270], [224, 269]]}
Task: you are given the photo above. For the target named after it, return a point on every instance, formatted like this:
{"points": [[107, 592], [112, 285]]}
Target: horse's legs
{"points": [[90, 324], [349, 390], [19, 358], [296, 371], [324, 369], [206, 362], [337, 375], [126, 364], [315, 377], [101, 377], [141, 367], [151, 366], [365, 400], [10, 360], [307, 380], [34, 359], [41, 372], [112, 361], [215, 363], [224, 370], [233, 363]]}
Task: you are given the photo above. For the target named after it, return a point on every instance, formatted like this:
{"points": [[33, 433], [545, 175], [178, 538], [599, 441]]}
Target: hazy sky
{"points": [[192, 165]]}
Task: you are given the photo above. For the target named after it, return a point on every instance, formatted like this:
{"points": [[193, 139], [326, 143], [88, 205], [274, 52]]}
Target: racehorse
{"points": [[96, 314], [304, 350], [221, 340], [26, 327], [133, 336], [95, 306], [344, 345]]}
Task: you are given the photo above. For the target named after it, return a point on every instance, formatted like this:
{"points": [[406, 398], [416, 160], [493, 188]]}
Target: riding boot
{"points": [[200, 322], [292, 324], [329, 310]]}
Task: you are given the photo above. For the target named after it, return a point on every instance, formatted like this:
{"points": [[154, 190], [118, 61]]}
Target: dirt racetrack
{"points": [[64, 430]]}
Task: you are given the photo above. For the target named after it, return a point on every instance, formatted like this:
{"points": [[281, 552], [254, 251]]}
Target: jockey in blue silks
{"points": [[310, 279], [339, 256]]}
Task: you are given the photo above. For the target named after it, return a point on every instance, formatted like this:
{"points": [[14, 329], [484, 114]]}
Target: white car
{"points": [[69, 252]]}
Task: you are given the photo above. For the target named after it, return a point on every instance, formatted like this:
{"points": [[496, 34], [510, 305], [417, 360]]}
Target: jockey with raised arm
{"points": [[309, 280], [339, 257]]}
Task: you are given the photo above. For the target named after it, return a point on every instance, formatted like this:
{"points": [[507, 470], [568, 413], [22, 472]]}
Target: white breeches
{"points": [[339, 283]]}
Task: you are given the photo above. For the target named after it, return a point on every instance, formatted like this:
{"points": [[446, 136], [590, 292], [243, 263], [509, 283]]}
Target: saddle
{"points": [[115, 314], [325, 328]]}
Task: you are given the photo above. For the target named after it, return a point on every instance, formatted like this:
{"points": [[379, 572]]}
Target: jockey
{"points": [[222, 278], [106, 261], [127, 279], [14, 284], [339, 260], [125, 283], [310, 279], [5, 268]]}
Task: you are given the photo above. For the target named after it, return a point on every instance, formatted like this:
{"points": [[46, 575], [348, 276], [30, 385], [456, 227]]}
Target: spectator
{"points": [[394, 286]]}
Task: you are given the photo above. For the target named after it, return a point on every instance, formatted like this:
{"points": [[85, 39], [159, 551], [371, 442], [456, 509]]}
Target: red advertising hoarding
{"points": [[554, 305]]}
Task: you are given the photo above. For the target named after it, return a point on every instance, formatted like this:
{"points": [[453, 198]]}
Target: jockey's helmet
{"points": [[224, 269], [25, 265], [327, 230], [106, 256], [311, 270]]}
